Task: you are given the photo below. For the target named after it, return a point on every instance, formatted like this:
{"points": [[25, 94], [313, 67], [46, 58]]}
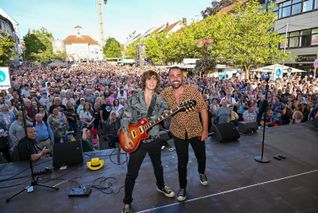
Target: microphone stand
{"points": [[261, 158], [34, 181]]}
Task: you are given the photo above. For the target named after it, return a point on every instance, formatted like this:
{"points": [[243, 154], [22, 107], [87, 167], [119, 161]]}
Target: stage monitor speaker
{"points": [[247, 127], [67, 154], [225, 132]]}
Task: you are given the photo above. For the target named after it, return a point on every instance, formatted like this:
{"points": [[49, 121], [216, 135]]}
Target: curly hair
{"points": [[148, 75]]}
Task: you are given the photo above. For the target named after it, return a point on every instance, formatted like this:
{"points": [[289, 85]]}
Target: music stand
{"points": [[34, 181]]}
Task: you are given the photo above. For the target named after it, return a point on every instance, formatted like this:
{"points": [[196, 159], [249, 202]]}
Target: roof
{"points": [[171, 26], [83, 39], [231, 7]]}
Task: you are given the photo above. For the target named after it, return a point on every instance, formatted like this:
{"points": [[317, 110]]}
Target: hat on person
{"points": [[33, 90], [95, 164]]}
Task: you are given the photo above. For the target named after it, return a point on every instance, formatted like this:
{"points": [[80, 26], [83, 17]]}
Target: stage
{"points": [[237, 183]]}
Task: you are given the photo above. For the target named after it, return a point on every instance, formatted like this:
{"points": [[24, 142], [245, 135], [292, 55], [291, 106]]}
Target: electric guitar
{"points": [[138, 132]]}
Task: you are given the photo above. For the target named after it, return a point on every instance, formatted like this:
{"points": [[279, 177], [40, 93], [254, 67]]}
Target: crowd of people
{"points": [[87, 100]]}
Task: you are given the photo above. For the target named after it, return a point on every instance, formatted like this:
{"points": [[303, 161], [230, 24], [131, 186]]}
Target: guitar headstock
{"points": [[188, 105]]}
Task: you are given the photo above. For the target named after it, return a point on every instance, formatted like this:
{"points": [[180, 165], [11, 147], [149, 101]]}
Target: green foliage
{"points": [[59, 56], [6, 48], [38, 45], [131, 50], [112, 48], [253, 41], [155, 47]]}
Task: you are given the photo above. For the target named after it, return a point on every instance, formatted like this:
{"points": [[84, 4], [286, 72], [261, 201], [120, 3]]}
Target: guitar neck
{"points": [[164, 116]]}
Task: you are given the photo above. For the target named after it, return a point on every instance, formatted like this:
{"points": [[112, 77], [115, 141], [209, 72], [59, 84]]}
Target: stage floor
{"points": [[237, 183]]}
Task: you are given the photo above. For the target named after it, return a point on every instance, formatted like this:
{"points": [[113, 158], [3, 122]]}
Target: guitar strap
{"points": [[152, 105]]}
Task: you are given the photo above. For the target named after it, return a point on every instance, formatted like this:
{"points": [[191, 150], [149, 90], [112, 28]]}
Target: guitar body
{"points": [[136, 132]]}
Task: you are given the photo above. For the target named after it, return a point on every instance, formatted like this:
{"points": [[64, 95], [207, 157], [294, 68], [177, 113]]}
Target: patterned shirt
{"points": [[137, 109], [185, 123]]}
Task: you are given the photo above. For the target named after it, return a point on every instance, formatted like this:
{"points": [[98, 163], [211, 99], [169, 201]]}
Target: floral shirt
{"points": [[137, 109]]}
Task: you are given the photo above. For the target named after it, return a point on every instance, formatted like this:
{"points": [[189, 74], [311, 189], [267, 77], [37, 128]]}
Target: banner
{"points": [[278, 72], [5, 82]]}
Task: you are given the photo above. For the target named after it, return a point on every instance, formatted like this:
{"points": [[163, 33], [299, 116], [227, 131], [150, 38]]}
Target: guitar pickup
{"points": [[141, 129]]}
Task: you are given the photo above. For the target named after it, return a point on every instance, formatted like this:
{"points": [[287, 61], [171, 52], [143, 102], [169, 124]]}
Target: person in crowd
{"points": [[30, 110], [87, 116], [44, 133], [4, 140], [44, 100], [250, 115], [6, 116], [16, 130], [224, 113], [144, 104], [26, 148], [58, 122], [112, 128], [187, 128], [57, 103], [71, 117]]}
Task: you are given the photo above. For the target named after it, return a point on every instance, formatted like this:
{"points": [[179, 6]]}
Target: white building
{"points": [[82, 47], [11, 27]]}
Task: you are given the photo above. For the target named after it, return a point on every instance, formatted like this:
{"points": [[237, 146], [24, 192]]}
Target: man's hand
{"points": [[44, 151], [204, 135], [128, 141]]}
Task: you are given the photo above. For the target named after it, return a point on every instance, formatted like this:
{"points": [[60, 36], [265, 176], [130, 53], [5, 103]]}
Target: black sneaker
{"points": [[181, 196], [166, 191], [127, 208], [203, 180]]}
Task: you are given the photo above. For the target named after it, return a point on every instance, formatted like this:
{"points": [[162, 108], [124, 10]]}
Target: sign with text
{"points": [[5, 82]]}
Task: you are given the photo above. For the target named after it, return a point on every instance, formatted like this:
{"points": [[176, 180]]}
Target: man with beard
{"points": [[187, 127]]}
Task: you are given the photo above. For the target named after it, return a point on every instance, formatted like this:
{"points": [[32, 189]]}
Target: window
{"points": [[314, 37], [284, 44], [296, 7], [307, 5], [316, 4], [294, 42], [286, 11], [305, 39]]}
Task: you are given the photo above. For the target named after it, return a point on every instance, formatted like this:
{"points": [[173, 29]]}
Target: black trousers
{"points": [[135, 160], [182, 149]]}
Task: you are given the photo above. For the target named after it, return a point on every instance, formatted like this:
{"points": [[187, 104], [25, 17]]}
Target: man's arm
{"points": [[205, 118], [37, 156]]}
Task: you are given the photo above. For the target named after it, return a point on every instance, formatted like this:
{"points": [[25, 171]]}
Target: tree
{"points": [[131, 50], [155, 44], [112, 48], [253, 41], [6, 48], [38, 45]]}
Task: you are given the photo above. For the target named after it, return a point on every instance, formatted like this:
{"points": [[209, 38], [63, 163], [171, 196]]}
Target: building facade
{"points": [[82, 47], [297, 20], [11, 27]]}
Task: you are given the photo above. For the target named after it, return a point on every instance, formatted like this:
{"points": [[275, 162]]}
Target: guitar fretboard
{"points": [[150, 124]]}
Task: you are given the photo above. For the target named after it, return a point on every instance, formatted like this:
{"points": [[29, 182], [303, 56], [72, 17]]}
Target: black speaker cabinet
{"points": [[67, 154], [225, 132], [315, 123], [247, 127]]}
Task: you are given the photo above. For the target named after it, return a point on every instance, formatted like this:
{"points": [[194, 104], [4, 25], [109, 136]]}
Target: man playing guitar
{"points": [[145, 104]]}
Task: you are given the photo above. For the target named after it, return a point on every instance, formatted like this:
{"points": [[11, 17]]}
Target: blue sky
{"points": [[121, 17]]}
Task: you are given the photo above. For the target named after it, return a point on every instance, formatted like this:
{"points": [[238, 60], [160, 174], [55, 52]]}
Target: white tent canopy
{"points": [[271, 69]]}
